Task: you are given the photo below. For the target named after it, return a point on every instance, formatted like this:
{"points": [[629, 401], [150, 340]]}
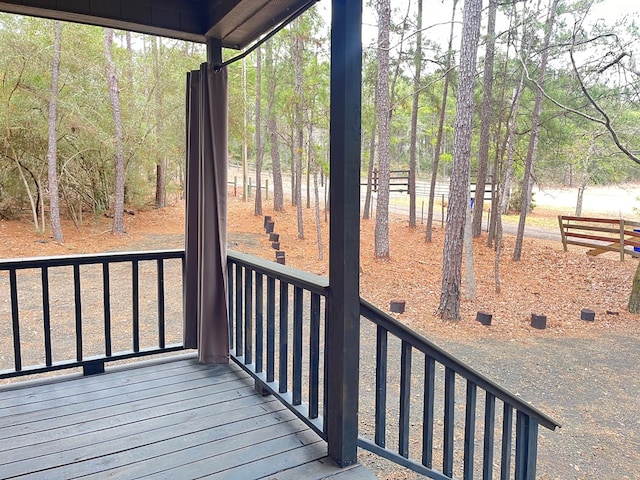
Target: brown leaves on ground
{"points": [[546, 281]]}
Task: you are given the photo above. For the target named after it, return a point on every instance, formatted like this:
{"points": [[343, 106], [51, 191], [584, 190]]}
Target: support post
{"points": [[214, 50], [622, 240], [562, 233], [343, 323]]}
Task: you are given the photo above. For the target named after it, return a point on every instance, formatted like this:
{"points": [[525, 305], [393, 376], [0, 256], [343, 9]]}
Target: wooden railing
{"points": [[601, 235], [54, 305], [264, 326], [414, 415], [437, 416], [280, 343]]}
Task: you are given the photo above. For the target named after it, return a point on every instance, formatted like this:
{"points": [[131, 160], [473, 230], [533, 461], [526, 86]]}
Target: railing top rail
{"points": [[612, 221], [615, 221], [378, 317], [87, 259], [309, 281]]}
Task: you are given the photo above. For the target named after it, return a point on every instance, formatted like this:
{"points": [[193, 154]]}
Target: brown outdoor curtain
{"points": [[205, 278]]}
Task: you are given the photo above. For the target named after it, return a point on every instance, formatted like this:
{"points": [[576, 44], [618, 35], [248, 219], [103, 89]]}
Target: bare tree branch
{"points": [[614, 62], [606, 119]]}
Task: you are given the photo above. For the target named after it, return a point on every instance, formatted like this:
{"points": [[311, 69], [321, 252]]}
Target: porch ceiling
{"points": [[235, 22]]}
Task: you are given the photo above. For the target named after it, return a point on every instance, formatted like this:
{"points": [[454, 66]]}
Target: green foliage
{"points": [[152, 96], [152, 78], [515, 204]]}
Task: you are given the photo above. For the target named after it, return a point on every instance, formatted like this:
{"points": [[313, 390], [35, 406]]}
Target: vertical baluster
{"points": [[449, 424], [230, 291], [427, 411], [314, 356], [248, 316], [161, 320], [15, 319], [298, 295], [405, 399], [505, 461], [469, 430], [239, 316], [271, 327], [135, 280], [325, 394], [489, 421], [46, 316], [381, 386], [284, 337], [106, 300], [78, 310], [526, 447], [532, 456], [259, 322]]}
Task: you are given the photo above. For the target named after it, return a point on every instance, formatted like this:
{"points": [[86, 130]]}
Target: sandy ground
{"points": [[622, 201]]}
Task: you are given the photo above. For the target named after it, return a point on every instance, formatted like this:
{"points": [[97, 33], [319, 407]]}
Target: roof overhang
{"points": [[236, 23]]}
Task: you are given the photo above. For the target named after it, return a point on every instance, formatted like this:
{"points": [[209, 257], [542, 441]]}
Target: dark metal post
{"points": [[214, 50], [343, 325]]}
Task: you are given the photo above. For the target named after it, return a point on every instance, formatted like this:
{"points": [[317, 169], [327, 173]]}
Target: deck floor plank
{"points": [[109, 442], [125, 393], [158, 415], [251, 461], [48, 420], [67, 385], [165, 419]]}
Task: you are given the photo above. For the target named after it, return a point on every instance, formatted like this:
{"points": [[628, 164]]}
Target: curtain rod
{"points": [[273, 32]]}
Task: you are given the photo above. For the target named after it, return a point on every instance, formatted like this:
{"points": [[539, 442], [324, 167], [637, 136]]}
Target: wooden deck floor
{"points": [[172, 419]]}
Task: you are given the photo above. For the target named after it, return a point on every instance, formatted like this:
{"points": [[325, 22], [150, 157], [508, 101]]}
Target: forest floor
{"points": [[584, 374]]}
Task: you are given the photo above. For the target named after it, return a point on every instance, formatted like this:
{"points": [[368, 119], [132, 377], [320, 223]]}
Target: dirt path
{"points": [[589, 385]]}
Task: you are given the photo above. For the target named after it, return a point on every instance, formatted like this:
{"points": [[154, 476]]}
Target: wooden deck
{"points": [[173, 419]]}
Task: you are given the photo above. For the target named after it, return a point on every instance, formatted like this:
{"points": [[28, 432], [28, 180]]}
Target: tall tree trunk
{"points": [[527, 182], [245, 140], [501, 144], [384, 145], [292, 161], [309, 174], [112, 82], [298, 48], [259, 147], [372, 154], [449, 307], [161, 191], [511, 147], [443, 111], [161, 159], [414, 118], [581, 189], [32, 201], [129, 43], [52, 153], [272, 127], [485, 124], [498, 161], [512, 122], [316, 191], [469, 262], [496, 263]]}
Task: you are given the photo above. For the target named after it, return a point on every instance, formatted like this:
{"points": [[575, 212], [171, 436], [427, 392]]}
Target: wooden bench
{"points": [[601, 235]]}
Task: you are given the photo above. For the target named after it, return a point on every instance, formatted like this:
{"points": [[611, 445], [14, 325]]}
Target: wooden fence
{"points": [[601, 235]]}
